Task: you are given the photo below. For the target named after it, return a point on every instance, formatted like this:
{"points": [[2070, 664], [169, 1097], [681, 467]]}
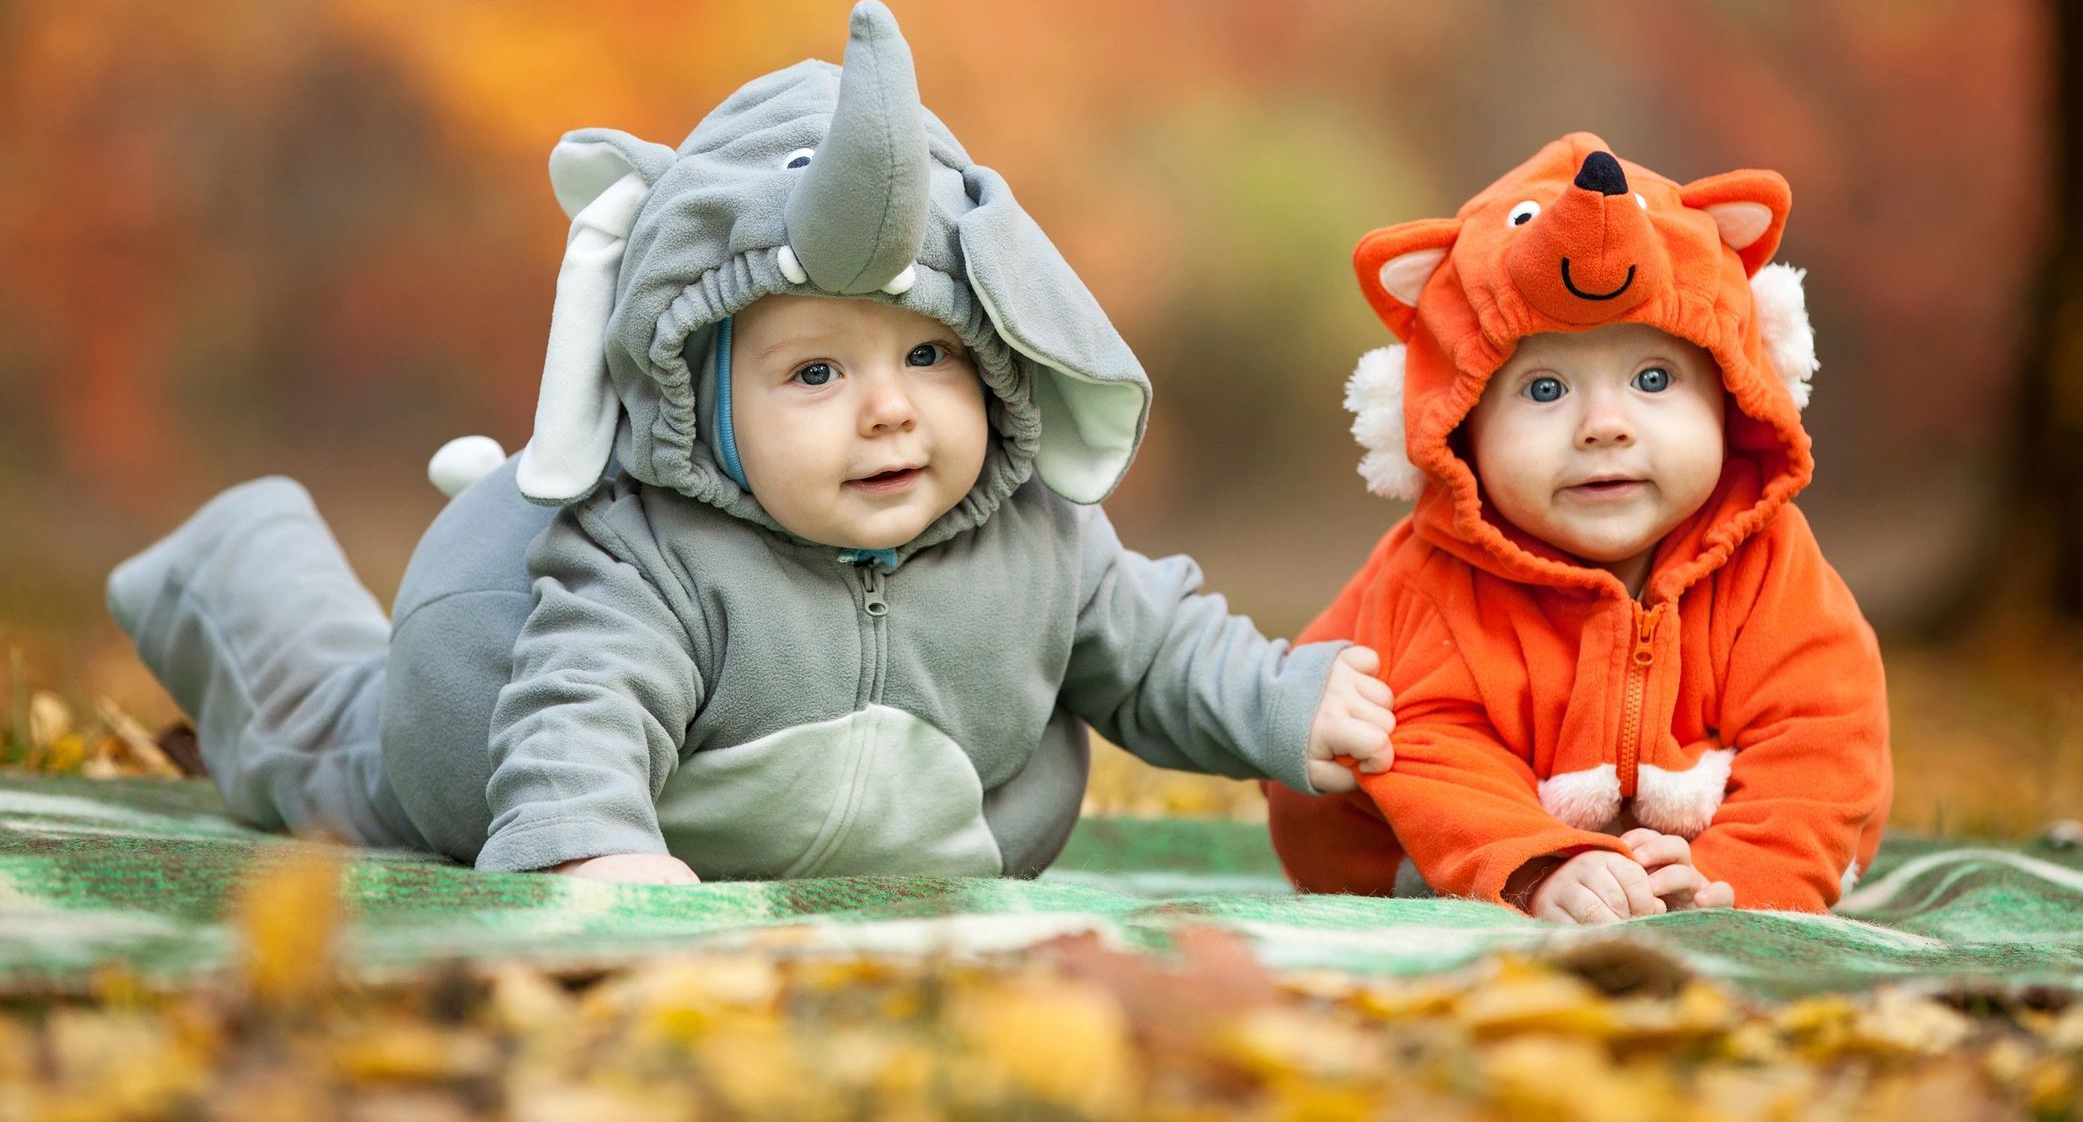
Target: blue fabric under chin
{"points": [[886, 559], [726, 440]]}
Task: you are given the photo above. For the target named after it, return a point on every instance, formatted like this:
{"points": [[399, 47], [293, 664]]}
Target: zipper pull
{"points": [[1645, 636], [872, 600]]}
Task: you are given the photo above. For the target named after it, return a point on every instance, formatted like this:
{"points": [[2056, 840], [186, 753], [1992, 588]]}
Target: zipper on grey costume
{"points": [[875, 644]]}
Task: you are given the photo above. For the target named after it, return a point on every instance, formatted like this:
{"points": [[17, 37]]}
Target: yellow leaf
{"points": [[1819, 1027], [407, 1051], [1525, 997], [288, 912], [62, 756], [535, 1099], [1907, 1024], [143, 751], [1064, 1042], [1279, 1042], [1546, 1077], [680, 999], [529, 1005], [1406, 998], [49, 719]]}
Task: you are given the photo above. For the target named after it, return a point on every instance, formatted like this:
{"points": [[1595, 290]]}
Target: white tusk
{"points": [[790, 267], [902, 282]]}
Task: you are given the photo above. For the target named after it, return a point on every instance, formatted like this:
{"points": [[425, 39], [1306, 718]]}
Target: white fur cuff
{"points": [[1683, 802], [1585, 799]]}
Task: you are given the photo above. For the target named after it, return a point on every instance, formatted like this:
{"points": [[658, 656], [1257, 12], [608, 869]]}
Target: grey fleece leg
{"points": [[251, 618]]}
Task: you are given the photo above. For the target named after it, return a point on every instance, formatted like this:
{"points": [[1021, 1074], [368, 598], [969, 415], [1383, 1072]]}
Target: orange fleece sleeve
{"points": [[1463, 805], [1805, 707]]}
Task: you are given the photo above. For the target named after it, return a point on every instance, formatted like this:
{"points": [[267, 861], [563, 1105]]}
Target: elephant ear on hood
{"points": [[601, 177], [1093, 397]]}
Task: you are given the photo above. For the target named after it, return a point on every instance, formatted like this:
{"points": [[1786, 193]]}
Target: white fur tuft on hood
{"points": [[1782, 310], [1374, 395]]}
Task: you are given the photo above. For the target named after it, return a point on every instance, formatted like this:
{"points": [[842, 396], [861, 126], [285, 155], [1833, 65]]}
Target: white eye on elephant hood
{"points": [[800, 158], [1523, 213]]}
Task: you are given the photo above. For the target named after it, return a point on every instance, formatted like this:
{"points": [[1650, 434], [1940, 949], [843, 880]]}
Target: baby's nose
{"points": [[1603, 425], [887, 405]]}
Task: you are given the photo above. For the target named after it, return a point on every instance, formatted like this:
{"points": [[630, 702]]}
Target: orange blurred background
{"points": [[316, 237]]}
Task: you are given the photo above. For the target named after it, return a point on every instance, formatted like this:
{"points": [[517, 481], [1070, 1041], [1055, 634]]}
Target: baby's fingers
{"points": [[1331, 778], [1677, 885], [1580, 903], [1610, 892], [1716, 895], [1655, 850], [1634, 884], [1361, 740], [1362, 659]]}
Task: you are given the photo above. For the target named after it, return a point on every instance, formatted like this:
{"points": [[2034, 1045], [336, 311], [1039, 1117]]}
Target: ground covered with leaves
{"points": [[1072, 1029]]}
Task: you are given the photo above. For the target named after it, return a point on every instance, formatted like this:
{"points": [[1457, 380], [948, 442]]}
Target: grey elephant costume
{"points": [[606, 645]]}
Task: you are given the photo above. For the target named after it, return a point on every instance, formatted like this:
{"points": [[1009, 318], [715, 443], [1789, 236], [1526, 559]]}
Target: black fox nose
{"points": [[1601, 173]]}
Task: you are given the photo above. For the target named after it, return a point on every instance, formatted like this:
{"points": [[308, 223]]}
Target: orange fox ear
{"points": [[1750, 209], [1394, 263]]}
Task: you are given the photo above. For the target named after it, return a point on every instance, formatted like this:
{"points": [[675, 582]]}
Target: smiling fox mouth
{"points": [[1575, 291]]}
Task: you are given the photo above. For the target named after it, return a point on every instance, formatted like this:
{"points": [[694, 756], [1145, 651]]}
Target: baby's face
{"points": [[857, 423], [1601, 442]]}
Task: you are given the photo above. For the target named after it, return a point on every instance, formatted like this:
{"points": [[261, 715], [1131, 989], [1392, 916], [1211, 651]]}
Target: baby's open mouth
{"points": [[894, 480], [1605, 488]]}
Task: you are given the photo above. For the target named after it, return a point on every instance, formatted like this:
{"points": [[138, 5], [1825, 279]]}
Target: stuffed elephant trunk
{"points": [[857, 217]]}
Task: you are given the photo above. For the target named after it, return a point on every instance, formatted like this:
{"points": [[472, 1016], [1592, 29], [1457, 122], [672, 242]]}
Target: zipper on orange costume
{"points": [[1638, 663]]}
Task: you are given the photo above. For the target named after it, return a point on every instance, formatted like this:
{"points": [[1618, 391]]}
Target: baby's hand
{"points": [[1667, 858], [1352, 721], [1594, 887], [630, 868]]}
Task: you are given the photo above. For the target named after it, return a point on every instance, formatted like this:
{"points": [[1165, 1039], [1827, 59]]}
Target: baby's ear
{"points": [[1749, 208], [1394, 263]]}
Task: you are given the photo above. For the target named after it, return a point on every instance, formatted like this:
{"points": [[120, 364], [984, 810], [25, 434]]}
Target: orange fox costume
{"points": [[1738, 703]]}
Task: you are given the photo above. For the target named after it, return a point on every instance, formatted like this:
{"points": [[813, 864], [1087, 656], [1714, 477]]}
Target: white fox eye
{"points": [[800, 158], [1523, 213]]}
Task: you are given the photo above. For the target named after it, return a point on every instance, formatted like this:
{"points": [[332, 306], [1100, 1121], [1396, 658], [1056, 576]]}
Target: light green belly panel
{"points": [[875, 791]]}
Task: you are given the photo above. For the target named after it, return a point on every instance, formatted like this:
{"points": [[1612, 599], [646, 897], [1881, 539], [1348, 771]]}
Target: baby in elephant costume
{"points": [[800, 573]]}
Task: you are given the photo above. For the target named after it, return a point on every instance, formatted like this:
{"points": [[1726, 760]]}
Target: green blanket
{"points": [[140, 873]]}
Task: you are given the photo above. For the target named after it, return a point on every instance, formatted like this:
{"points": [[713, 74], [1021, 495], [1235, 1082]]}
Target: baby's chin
{"points": [[1603, 545], [887, 532]]}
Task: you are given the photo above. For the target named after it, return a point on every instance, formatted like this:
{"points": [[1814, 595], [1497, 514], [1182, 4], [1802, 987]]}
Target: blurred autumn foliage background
{"points": [[316, 237]]}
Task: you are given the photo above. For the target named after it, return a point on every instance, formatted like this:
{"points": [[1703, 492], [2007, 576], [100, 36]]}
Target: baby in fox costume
{"points": [[1625, 678]]}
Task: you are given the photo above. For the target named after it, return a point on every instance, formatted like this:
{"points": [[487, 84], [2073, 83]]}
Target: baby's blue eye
{"points": [[1544, 389], [814, 373], [1653, 380], [925, 354]]}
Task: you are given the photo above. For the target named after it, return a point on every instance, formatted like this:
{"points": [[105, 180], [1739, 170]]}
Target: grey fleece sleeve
{"points": [[592, 721], [1171, 676]]}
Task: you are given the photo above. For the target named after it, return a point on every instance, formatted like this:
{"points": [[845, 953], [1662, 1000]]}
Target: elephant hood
{"points": [[827, 181]]}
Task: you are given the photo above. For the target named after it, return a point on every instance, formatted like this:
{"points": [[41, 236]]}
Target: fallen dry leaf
{"points": [[287, 912]]}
